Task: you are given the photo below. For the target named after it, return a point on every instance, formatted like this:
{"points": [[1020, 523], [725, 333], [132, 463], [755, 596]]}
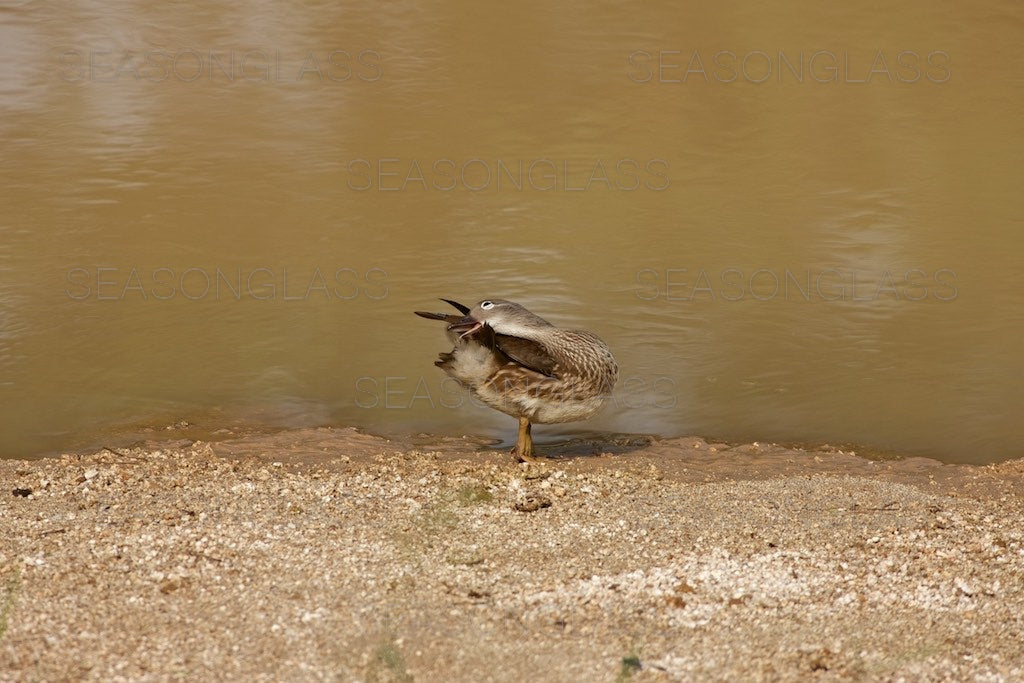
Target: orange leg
{"points": [[523, 452]]}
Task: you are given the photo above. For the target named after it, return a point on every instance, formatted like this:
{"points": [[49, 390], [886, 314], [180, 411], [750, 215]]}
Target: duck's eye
{"points": [[487, 305]]}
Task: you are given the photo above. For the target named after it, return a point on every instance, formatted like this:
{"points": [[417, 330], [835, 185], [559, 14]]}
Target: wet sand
{"points": [[329, 554]]}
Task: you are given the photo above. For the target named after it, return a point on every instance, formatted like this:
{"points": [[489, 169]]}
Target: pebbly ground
{"points": [[332, 555]]}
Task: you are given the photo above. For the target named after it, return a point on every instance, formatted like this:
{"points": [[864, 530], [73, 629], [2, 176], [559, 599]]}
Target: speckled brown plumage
{"points": [[517, 362]]}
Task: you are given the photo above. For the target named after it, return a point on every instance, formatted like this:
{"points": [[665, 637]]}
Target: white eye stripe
{"points": [[487, 305]]}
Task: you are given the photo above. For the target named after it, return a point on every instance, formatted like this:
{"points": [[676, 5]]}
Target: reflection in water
{"points": [[232, 221]]}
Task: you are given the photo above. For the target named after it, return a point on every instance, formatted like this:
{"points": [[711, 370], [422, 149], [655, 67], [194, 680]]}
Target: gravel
{"points": [[332, 555]]}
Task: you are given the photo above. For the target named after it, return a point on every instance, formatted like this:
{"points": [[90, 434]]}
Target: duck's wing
{"points": [[527, 353]]}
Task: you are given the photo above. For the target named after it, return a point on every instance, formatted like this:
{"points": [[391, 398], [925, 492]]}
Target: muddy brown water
{"points": [[798, 224]]}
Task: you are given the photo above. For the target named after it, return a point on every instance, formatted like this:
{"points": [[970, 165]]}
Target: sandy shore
{"points": [[331, 555]]}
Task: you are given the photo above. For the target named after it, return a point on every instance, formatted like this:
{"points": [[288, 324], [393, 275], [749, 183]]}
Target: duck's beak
{"points": [[464, 310], [465, 326], [447, 317]]}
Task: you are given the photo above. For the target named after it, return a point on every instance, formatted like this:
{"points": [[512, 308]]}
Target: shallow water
{"points": [[800, 224]]}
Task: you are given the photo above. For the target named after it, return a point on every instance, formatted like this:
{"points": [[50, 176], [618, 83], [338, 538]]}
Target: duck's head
{"points": [[504, 317]]}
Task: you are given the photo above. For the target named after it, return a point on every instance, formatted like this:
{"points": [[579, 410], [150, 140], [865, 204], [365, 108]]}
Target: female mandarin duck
{"points": [[519, 363]]}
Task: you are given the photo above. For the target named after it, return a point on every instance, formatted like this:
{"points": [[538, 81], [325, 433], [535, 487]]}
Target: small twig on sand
{"points": [[52, 531]]}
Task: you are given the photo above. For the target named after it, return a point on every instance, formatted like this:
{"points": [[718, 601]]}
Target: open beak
{"points": [[464, 310], [465, 326]]}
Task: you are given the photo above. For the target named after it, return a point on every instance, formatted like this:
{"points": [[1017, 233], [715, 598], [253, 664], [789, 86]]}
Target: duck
{"points": [[518, 363]]}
